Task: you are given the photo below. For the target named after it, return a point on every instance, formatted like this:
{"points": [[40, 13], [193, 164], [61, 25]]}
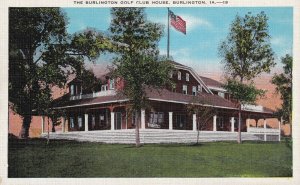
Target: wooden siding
{"points": [[179, 83]]}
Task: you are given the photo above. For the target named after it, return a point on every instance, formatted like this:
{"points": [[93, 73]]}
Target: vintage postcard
{"points": [[167, 92]]}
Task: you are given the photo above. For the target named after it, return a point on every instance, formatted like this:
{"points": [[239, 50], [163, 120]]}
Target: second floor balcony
{"points": [[93, 95]]}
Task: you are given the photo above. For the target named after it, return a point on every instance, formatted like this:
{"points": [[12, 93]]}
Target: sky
{"points": [[206, 29]]}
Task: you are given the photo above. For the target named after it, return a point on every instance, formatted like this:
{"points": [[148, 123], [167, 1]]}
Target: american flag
{"points": [[177, 22]]}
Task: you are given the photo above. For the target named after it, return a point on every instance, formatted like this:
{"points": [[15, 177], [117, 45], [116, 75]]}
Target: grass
{"points": [[34, 158]]}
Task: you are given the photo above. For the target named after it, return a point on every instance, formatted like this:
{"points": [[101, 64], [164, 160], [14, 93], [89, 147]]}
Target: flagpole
{"points": [[168, 44]]}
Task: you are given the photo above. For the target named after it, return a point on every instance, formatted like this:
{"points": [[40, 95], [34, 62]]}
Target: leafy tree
{"points": [[246, 54], [42, 55], [138, 62], [283, 84]]}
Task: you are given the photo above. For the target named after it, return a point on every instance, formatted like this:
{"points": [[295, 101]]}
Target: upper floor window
{"points": [[194, 90], [111, 84], [104, 87], [72, 89], [187, 77], [200, 88], [221, 94], [179, 75], [184, 89], [174, 88]]}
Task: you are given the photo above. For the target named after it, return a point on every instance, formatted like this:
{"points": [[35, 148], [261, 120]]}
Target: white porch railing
{"points": [[94, 94], [266, 134], [262, 130]]}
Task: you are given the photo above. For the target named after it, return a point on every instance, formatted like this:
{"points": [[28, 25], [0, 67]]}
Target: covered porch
{"points": [[165, 117]]}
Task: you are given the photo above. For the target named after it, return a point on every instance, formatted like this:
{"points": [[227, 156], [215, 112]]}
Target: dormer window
{"points": [[200, 88], [179, 75], [104, 87], [221, 94], [194, 90], [184, 89], [187, 77]]}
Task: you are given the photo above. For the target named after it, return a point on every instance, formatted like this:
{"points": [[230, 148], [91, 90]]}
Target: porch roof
{"points": [[162, 95]]}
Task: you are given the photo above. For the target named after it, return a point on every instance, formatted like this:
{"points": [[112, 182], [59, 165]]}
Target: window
{"points": [[102, 120], [200, 88], [79, 121], [111, 84], [72, 90], [174, 88], [194, 90], [220, 122], [184, 89], [221, 94], [104, 87], [180, 121], [187, 77], [179, 75], [72, 125], [236, 122], [156, 119], [93, 121], [133, 119]]}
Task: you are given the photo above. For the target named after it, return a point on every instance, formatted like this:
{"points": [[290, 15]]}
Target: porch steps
{"points": [[149, 136]]}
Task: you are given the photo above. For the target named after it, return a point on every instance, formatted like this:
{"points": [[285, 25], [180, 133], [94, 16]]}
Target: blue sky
{"points": [[206, 28]]}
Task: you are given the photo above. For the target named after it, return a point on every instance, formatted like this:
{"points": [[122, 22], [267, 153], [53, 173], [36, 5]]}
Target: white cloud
{"points": [[193, 22], [158, 20], [277, 41]]}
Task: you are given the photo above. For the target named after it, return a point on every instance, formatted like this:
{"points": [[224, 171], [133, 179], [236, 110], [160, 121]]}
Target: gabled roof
{"points": [[208, 82], [201, 99], [211, 83], [193, 73]]}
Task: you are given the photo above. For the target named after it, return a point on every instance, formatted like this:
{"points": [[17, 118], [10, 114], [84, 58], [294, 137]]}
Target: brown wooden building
{"points": [[105, 110]]}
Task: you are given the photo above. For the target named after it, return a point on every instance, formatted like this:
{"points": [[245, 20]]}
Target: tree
{"points": [[203, 114], [138, 62], [42, 55], [246, 54], [284, 86]]}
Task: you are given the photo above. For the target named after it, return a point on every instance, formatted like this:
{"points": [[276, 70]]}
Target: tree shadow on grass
{"points": [[166, 145]]}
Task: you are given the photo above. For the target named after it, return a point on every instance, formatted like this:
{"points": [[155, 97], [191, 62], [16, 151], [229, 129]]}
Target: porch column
{"points": [[112, 120], [232, 124], [215, 123], [126, 118], [143, 124], [86, 122], [43, 123], [265, 129], [248, 123], [63, 124], [194, 122], [170, 120]]}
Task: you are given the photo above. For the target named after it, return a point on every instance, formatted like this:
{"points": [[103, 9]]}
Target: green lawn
{"points": [[34, 158]]}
